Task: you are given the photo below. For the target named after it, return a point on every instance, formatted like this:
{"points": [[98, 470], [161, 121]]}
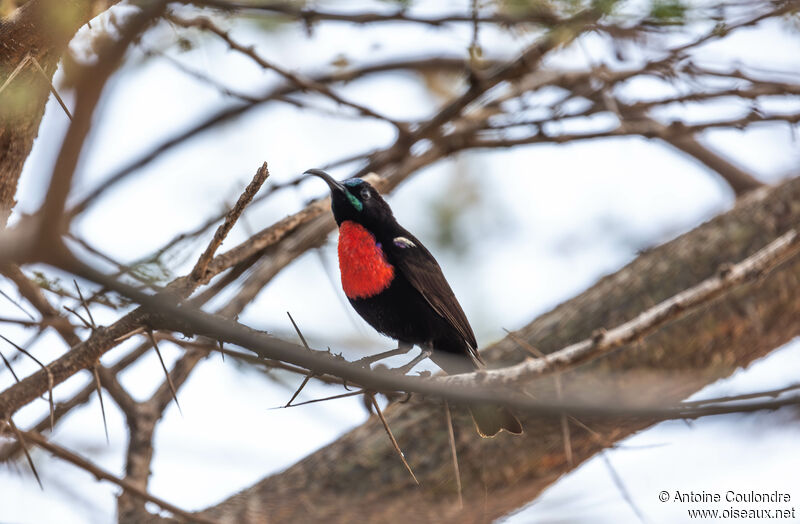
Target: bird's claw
{"points": [[366, 362], [425, 353]]}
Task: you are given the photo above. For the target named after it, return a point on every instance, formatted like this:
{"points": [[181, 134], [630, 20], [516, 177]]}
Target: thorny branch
{"points": [[538, 14], [199, 270], [88, 94], [290, 223], [481, 116], [601, 342], [102, 474], [470, 387]]}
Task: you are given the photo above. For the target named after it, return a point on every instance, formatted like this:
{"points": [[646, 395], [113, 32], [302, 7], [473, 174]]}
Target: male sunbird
{"points": [[397, 286]]}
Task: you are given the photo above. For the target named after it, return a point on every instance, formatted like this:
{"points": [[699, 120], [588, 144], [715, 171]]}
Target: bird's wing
{"points": [[419, 267]]}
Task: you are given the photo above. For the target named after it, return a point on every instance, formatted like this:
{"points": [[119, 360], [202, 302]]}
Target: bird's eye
{"points": [[365, 194]]}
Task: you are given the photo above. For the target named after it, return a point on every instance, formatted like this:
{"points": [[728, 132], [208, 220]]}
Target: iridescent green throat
{"points": [[354, 182], [356, 202]]}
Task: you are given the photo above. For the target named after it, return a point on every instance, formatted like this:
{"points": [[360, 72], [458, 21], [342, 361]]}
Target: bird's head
{"points": [[356, 200]]}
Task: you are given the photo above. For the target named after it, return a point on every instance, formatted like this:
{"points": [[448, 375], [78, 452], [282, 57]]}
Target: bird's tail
{"points": [[491, 419]]}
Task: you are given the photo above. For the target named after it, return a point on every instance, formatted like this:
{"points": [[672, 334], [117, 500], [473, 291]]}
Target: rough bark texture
{"points": [[360, 479], [40, 29]]}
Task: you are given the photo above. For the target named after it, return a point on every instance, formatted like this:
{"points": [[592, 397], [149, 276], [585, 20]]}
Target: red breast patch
{"points": [[365, 272]]}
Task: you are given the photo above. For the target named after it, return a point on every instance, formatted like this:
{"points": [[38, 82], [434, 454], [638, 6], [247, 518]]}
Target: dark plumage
{"points": [[397, 286]]}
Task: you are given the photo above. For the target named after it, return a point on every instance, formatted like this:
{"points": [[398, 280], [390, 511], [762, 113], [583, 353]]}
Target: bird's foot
{"points": [[402, 370], [367, 361]]}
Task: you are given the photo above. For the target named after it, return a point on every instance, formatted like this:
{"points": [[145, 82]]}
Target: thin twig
{"points": [[199, 271], [17, 304], [461, 388], [452, 436], [100, 397], [8, 365], [565, 433], [774, 393], [299, 389], [297, 329], [101, 474], [52, 87], [537, 14], [16, 71], [164, 367], [622, 488], [249, 358], [301, 82], [310, 374], [594, 434], [85, 305], [85, 322], [227, 114], [391, 436], [314, 401], [45, 369], [24, 446]]}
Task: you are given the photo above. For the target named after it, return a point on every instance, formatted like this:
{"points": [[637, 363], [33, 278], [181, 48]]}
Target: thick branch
{"points": [[646, 322], [40, 29], [89, 88], [684, 355], [740, 180]]}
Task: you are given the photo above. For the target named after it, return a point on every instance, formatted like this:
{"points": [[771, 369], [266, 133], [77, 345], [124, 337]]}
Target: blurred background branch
{"points": [[497, 77]]}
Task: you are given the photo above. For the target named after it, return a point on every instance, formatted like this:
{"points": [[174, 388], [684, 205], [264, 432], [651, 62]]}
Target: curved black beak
{"points": [[332, 182]]}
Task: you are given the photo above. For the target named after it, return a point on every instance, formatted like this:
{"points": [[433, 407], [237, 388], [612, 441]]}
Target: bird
{"points": [[395, 284]]}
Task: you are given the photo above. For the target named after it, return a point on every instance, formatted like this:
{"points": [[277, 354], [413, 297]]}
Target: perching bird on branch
{"points": [[397, 286]]}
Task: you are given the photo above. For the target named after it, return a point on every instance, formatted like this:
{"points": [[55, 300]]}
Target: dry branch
{"points": [[101, 474], [88, 90], [198, 274], [460, 388], [602, 341], [39, 30], [302, 83], [284, 241], [538, 14], [668, 365]]}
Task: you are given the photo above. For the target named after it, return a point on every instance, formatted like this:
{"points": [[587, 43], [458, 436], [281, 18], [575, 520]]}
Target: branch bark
{"points": [[40, 29], [358, 477]]}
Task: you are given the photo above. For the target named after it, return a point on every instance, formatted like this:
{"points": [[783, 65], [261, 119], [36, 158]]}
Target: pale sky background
{"points": [[552, 219]]}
